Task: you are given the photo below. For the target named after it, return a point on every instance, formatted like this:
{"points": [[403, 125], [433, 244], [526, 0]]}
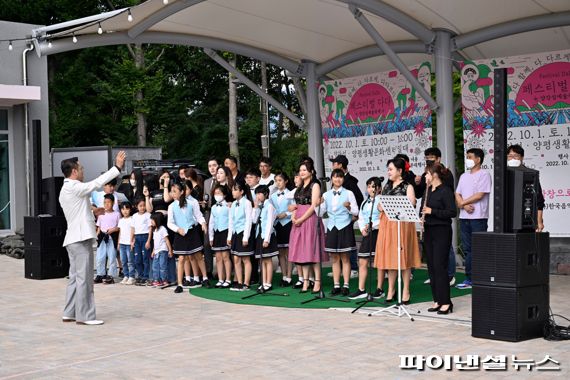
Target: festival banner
{"points": [[373, 117], [538, 119]]}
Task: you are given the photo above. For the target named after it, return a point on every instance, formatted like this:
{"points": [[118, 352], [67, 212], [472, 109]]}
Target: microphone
{"points": [[324, 179], [270, 183]]}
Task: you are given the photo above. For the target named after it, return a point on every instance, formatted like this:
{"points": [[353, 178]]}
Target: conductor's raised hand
{"points": [[120, 159]]}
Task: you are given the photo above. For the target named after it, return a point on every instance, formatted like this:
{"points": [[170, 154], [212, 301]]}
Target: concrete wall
{"points": [[11, 73]]}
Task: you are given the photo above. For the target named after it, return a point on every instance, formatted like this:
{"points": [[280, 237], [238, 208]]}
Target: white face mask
{"points": [[133, 182], [219, 198], [469, 164], [514, 163]]}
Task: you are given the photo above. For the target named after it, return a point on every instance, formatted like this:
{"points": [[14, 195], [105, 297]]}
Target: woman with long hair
{"points": [[304, 248], [224, 178], [387, 243], [135, 188], [197, 191]]}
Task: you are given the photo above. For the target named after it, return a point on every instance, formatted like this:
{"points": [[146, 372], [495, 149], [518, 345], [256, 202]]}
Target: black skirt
{"points": [[367, 243], [340, 241], [190, 243], [283, 232], [237, 247], [270, 251], [220, 241]]}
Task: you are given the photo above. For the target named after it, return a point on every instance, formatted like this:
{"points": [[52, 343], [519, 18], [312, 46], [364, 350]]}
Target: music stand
{"points": [[398, 208]]}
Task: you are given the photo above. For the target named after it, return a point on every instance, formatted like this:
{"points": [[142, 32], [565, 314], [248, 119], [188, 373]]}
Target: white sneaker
{"points": [[94, 322], [125, 279], [130, 281], [428, 281], [452, 282], [353, 274]]}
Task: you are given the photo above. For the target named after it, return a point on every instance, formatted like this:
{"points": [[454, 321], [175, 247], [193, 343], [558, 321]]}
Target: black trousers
{"points": [[437, 242]]}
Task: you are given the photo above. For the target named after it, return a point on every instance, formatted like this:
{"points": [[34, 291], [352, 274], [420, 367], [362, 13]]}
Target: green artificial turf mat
{"points": [[420, 293]]}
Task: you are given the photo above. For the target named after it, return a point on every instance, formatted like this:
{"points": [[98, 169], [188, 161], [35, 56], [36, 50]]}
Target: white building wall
{"points": [[11, 73]]}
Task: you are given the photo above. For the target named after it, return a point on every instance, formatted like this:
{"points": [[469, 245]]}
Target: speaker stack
{"points": [[510, 298], [45, 256], [50, 190], [510, 270]]}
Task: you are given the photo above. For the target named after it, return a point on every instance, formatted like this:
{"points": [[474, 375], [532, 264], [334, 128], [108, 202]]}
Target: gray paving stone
{"points": [[152, 333]]}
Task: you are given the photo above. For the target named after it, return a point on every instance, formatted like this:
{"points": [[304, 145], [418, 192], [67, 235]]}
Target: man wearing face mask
{"points": [[472, 198], [515, 157]]}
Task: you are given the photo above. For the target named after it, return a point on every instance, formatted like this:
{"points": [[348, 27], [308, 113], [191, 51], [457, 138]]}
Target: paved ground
{"points": [[152, 333]]}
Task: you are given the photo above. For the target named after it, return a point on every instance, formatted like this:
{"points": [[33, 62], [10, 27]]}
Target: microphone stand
{"points": [[369, 298], [321, 294], [262, 291]]}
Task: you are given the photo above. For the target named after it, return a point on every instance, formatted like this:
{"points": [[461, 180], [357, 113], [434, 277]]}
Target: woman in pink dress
{"points": [[304, 248]]}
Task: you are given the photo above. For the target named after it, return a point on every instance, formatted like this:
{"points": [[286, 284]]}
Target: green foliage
{"points": [[185, 94]]}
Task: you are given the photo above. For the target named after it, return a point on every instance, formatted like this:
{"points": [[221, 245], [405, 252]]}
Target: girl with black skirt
{"points": [[438, 210], [281, 201], [369, 236], [218, 233], [266, 239], [240, 238], [185, 218]]}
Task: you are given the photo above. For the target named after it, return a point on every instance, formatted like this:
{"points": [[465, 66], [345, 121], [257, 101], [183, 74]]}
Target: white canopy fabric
{"points": [[322, 30], [335, 39]]}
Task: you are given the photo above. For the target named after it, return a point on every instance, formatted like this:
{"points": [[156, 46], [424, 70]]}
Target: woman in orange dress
{"points": [[387, 243]]}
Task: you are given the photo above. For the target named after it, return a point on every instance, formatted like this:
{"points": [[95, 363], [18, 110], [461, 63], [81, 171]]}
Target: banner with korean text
{"points": [[538, 119], [371, 118]]}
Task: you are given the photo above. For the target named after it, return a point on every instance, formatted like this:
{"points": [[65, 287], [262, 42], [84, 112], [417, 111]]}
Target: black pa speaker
{"points": [[44, 232], [510, 259], [500, 146], [509, 314], [44, 264], [44, 254], [51, 188]]}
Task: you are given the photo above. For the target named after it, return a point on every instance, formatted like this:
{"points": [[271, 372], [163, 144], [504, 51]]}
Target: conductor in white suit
{"points": [[75, 201]]}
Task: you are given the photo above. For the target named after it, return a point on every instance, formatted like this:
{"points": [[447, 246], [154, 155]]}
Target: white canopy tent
{"points": [[333, 38]]}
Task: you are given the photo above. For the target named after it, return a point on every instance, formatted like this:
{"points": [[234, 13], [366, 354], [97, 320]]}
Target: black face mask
{"points": [[430, 162]]}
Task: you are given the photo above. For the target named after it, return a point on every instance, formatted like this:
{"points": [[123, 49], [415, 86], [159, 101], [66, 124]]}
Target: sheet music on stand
{"points": [[398, 208]]}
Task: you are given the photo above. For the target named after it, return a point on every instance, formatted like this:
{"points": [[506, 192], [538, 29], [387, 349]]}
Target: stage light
{"points": [[165, 2], [129, 16], [100, 30], [10, 47], [49, 44], [74, 38]]}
